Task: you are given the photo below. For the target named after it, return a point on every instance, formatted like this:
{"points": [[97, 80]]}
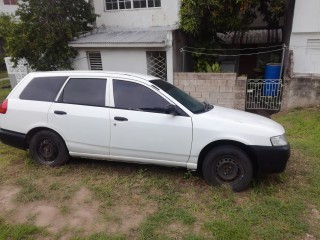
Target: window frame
{"points": [[10, 2], [157, 52], [130, 9], [89, 62], [107, 91], [154, 90]]}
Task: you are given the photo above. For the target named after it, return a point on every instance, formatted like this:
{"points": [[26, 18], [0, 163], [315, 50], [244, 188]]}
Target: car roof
{"points": [[135, 76]]}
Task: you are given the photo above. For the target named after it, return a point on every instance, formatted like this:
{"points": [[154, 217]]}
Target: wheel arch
{"points": [[33, 131], [215, 144]]}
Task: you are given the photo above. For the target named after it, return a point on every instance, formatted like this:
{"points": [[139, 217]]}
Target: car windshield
{"points": [[185, 99]]}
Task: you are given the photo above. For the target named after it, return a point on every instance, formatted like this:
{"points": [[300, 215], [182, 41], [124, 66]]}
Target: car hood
{"points": [[239, 118]]}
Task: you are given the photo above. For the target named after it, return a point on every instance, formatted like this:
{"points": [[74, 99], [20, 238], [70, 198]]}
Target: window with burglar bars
{"points": [[10, 2], [129, 4], [95, 61], [157, 64]]}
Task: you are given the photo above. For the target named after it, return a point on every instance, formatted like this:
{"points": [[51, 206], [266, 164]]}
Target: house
{"points": [[133, 35], [305, 38], [8, 6], [302, 78]]}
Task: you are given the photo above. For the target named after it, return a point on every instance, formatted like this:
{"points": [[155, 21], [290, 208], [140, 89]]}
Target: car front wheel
{"points": [[48, 148], [228, 165]]}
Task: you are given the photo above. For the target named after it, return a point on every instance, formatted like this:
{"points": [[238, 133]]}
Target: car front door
{"points": [[142, 131], [81, 117]]}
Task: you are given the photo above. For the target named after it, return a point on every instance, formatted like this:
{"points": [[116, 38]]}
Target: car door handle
{"points": [[60, 112], [121, 119]]}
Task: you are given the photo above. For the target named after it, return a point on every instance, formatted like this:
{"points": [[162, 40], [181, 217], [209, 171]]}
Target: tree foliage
{"points": [[5, 23], [205, 18], [44, 30], [272, 11], [5, 20]]}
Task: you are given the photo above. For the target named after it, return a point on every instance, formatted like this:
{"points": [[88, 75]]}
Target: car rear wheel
{"points": [[228, 165], [48, 148]]}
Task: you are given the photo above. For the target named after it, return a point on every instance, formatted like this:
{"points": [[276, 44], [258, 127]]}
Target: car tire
{"points": [[228, 165], [48, 148]]}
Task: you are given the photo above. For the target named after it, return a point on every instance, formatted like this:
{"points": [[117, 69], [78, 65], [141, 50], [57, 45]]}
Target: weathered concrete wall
{"points": [[223, 89], [301, 92]]}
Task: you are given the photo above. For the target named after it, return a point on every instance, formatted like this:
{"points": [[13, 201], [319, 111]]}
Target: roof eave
{"points": [[118, 45]]}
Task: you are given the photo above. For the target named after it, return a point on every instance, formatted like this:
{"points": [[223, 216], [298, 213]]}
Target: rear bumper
{"points": [[271, 159], [13, 139]]}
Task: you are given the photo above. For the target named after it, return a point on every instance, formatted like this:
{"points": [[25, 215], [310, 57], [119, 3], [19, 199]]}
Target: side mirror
{"points": [[171, 109]]}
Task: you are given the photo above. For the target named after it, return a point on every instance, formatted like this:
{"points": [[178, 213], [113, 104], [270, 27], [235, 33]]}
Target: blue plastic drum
{"points": [[272, 76]]}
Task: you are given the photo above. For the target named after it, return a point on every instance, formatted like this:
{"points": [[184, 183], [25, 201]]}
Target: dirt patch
{"points": [[84, 213], [315, 213], [7, 196], [176, 230], [308, 237], [129, 217]]}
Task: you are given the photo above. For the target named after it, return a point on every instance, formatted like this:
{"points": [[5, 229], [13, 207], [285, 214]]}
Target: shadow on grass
{"points": [[259, 183]]}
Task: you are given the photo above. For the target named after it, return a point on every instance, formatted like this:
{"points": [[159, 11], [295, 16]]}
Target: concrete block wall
{"points": [[222, 89]]}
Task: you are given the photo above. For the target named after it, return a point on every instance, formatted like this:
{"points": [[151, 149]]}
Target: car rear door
{"points": [[142, 131], [81, 117]]}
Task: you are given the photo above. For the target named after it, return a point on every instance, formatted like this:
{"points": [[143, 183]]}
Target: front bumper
{"points": [[13, 139], [271, 159]]}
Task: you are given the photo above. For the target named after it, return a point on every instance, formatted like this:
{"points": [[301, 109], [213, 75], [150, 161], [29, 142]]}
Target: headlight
{"points": [[279, 140]]}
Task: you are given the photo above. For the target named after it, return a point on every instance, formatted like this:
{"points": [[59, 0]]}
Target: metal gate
{"points": [[264, 94]]}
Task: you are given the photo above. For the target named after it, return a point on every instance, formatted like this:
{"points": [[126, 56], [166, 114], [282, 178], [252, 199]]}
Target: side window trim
{"points": [[61, 90], [111, 95], [107, 90]]}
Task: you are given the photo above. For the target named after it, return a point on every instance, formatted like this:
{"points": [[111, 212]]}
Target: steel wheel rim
{"points": [[229, 170], [47, 150]]}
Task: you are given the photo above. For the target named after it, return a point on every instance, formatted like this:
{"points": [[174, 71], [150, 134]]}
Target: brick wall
{"points": [[223, 89]]}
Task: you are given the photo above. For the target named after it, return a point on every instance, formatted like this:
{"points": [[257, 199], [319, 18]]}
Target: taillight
{"points": [[4, 107]]}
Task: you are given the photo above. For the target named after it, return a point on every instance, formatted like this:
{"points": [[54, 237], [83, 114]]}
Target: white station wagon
{"points": [[138, 118]]}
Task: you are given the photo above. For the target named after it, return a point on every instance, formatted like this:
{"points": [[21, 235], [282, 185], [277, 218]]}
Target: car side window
{"points": [[85, 91], [134, 96], [43, 88]]}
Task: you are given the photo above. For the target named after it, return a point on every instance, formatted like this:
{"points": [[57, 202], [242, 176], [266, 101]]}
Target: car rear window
{"points": [[43, 88]]}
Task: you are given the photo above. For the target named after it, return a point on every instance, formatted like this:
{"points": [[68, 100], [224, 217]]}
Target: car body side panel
{"points": [[23, 115], [150, 136], [85, 129]]}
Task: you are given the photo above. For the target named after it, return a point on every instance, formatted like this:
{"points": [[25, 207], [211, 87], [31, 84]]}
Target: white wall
{"points": [[306, 26], [306, 60], [306, 16], [115, 60], [166, 15], [7, 8], [125, 60]]}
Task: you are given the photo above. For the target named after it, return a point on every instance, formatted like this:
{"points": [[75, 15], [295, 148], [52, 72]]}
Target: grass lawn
{"points": [[89, 199], [4, 89], [3, 74]]}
